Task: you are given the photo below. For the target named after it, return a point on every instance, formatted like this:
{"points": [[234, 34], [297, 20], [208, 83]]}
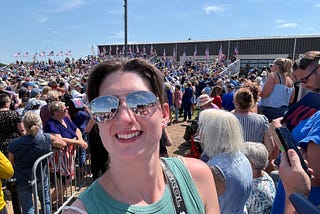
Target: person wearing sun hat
{"points": [[205, 102]]}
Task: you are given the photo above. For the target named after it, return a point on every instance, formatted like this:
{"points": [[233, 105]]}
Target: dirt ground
{"points": [[176, 132]]}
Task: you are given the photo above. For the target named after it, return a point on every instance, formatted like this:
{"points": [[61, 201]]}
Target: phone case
{"points": [[287, 141]]}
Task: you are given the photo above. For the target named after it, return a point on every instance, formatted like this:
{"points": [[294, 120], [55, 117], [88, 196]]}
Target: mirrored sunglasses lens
{"points": [[104, 108], [142, 103]]}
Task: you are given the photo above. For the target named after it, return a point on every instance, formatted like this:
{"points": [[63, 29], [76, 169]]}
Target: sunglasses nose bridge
{"points": [[124, 108]]}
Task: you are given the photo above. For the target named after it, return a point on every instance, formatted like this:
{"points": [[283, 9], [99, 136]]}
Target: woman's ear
{"points": [[165, 111]]}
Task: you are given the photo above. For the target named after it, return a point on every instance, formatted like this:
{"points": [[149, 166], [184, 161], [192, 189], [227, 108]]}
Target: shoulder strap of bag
{"points": [[176, 194]]}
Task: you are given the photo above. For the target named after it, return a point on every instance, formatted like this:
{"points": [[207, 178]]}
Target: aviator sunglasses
{"points": [[141, 103]]}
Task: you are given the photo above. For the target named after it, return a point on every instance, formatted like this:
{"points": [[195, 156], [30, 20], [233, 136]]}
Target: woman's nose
{"points": [[124, 112]]}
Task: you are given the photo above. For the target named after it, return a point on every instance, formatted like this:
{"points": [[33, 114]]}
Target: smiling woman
{"points": [[127, 101]]}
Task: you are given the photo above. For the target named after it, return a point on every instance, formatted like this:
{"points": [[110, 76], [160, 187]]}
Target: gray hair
{"points": [[257, 154], [32, 122], [220, 132], [55, 106]]}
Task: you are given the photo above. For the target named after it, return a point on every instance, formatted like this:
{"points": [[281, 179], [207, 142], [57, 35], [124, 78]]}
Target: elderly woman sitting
{"points": [[263, 189]]}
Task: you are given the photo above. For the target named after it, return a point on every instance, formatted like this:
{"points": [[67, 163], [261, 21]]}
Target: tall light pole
{"points": [[125, 29]]}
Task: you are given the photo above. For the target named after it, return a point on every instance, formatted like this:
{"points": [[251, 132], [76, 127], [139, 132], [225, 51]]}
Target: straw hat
{"points": [[204, 99]]}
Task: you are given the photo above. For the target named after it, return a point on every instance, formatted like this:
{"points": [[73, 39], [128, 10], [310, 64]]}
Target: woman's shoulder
{"points": [[198, 169], [289, 81]]}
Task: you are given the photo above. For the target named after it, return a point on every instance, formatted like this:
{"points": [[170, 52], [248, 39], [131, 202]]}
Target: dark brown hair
{"points": [[305, 60], [243, 98], [253, 88], [141, 67], [216, 90], [4, 99]]}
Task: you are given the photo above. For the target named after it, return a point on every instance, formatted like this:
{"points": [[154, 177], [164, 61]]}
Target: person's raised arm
{"points": [[268, 86], [293, 177]]}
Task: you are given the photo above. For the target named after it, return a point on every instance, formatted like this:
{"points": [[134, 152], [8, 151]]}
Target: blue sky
{"points": [[55, 25]]}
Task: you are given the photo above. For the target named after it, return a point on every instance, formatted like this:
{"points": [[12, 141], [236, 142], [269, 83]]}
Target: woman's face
{"points": [[274, 68], [61, 113], [128, 136]]}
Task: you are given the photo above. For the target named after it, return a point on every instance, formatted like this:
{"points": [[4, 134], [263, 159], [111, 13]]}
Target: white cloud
{"points": [[54, 32], [287, 25], [115, 12], [117, 35], [317, 5], [40, 18], [74, 27], [63, 6], [213, 8], [282, 23]]}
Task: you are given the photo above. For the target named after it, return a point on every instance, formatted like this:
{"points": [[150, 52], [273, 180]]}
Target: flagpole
{"points": [[228, 50], [125, 29]]}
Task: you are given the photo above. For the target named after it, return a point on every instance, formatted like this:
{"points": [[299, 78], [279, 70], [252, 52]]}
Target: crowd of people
{"points": [[121, 108]]}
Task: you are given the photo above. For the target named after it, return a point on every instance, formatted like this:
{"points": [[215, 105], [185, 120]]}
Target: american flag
{"points": [[236, 51], [42, 54], [26, 54], [220, 56], [110, 50], [184, 54], [151, 50], [144, 50], [130, 52], [51, 53], [92, 50], [117, 50], [35, 56], [17, 54], [195, 52], [164, 55], [59, 53], [137, 49], [104, 50], [207, 53], [173, 55], [69, 53], [123, 49]]}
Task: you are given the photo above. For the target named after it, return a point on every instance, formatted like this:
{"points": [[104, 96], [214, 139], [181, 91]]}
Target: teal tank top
{"points": [[97, 200]]}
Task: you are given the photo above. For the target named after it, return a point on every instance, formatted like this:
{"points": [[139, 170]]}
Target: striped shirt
{"points": [[253, 126]]}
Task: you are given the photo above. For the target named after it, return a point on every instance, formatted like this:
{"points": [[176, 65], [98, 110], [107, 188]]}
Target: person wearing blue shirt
{"points": [[227, 99]]}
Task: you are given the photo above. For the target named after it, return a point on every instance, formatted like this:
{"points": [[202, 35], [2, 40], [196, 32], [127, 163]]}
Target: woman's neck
{"points": [[242, 111], [58, 119], [128, 189]]}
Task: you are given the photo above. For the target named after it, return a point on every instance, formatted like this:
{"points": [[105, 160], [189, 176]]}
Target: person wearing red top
{"points": [[215, 94]]}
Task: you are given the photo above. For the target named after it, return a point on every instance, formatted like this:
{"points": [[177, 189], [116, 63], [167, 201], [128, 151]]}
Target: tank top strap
{"points": [[280, 78]]}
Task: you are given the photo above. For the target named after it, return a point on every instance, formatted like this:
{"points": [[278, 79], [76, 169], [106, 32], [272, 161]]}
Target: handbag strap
{"points": [[174, 189]]}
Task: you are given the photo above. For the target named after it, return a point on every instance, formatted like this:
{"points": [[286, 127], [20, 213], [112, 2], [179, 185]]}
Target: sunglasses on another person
{"points": [[141, 103], [305, 79]]}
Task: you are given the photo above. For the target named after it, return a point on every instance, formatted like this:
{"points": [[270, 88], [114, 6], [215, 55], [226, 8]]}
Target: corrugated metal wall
{"points": [[256, 46]]}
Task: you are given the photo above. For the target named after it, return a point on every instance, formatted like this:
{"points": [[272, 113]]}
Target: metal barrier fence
{"points": [[52, 191]]}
